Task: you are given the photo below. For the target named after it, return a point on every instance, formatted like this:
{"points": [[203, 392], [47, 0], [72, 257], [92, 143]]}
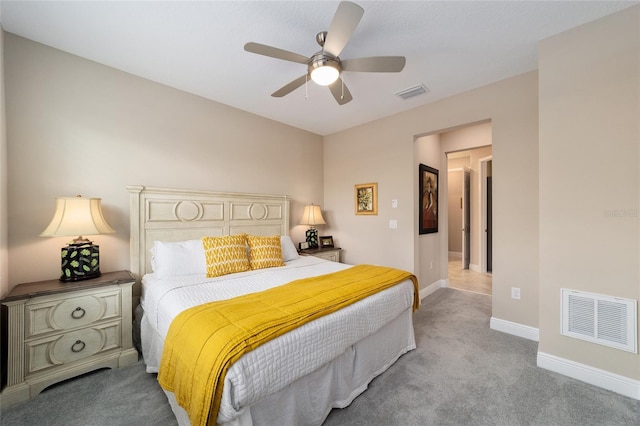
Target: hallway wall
{"points": [[454, 206], [476, 141]]}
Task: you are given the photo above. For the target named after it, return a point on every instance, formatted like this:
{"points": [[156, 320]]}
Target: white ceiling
{"points": [[450, 46]]}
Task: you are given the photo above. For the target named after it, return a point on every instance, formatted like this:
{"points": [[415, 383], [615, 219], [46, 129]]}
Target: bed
{"points": [[294, 379]]}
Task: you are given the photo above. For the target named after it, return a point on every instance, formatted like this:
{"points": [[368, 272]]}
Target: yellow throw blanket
{"points": [[204, 341]]}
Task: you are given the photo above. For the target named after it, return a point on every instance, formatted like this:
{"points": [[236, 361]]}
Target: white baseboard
{"points": [[475, 268], [520, 330], [431, 288], [455, 254], [594, 376]]}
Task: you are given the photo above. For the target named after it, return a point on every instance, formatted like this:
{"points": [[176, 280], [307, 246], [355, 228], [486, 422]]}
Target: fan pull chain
{"points": [[342, 95], [306, 86]]}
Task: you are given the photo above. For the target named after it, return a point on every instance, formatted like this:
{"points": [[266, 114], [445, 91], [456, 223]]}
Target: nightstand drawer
{"points": [[327, 253], [61, 314], [333, 256], [73, 346]]}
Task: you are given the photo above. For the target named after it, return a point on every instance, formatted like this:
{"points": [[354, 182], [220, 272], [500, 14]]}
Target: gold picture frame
{"points": [[366, 198]]}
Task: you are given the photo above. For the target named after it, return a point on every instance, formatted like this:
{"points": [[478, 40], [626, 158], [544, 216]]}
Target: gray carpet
{"points": [[462, 373]]}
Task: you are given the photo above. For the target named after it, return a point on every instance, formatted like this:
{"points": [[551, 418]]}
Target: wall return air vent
{"points": [[606, 320]]}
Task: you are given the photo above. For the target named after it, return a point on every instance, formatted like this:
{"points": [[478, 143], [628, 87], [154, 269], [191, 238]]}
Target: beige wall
{"points": [[430, 270], [4, 248], [77, 127], [589, 204], [383, 151], [454, 214]]}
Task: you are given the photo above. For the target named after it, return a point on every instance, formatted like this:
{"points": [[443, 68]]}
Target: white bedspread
{"points": [[281, 361]]}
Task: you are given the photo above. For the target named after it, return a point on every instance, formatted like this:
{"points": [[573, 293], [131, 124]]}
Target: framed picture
{"points": [[366, 198], [326, 242], [428, 199]]}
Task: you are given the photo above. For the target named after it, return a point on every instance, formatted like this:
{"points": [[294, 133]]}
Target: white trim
{"points": [[475, 268], [455, 254], [431, 288], [520, 330], [594, 376]]}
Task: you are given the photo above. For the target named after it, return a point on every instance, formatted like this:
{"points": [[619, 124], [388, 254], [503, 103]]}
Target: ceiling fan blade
{"points": [[288, 88], [340, 92], [344, 23], [274, 52], [374, 64]]}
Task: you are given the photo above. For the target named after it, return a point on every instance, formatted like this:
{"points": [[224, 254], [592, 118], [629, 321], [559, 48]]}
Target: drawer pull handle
{"points": [[77, 346], [78, 313]]}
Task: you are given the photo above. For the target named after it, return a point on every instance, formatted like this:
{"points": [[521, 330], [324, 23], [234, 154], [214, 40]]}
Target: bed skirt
{"points": [[308, 400]]}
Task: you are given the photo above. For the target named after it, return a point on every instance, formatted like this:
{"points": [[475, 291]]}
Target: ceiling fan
{"points": [[324, 67]]}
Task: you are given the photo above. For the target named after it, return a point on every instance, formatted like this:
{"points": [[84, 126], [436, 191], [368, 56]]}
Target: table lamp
{"points": [[312, 216], [78, 216]]}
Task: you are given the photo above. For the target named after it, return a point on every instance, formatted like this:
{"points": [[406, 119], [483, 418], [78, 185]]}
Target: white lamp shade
{"points": [[77, 216], [325, 75], [312, 216]]}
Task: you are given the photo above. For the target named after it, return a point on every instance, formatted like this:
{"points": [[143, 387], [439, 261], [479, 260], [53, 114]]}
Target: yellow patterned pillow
{"points": [[225, 255], [264, 252]]}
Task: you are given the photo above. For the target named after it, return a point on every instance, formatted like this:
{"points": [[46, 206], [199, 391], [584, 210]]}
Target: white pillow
{"points": [[178, 258], [289, 251]]}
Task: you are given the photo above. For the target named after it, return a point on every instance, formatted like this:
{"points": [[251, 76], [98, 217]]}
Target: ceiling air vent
{"points": [[606, 320], [412, 91]]}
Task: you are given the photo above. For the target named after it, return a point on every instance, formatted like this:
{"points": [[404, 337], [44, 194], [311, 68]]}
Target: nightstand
{"points": [[58, 330], [327, 253]]}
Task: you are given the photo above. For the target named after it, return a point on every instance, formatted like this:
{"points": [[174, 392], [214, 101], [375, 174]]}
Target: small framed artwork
{"points": [[303, 246], [366, 198], [428, 199], [326, 242]]}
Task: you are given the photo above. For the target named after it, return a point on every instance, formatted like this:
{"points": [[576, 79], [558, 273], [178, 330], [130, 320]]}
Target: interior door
{"points": [[466, 220], [489, 225]]}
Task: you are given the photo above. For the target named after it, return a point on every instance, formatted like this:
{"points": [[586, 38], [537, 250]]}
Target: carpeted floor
{"points": [[462, 373]]}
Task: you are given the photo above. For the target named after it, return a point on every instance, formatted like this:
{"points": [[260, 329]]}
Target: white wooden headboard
{"points": [[162, 214]]}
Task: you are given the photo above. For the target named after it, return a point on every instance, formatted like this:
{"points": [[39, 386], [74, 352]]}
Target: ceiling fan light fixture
{"points": [[324, 75], [325, 66], [324, 69]]}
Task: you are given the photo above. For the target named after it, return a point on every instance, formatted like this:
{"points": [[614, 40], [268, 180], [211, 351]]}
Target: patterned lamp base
{"points": [[80, 262], [312, 237]]}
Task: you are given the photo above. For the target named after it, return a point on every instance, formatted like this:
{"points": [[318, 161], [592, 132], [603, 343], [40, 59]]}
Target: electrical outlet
{"points": [[515, 293], [393, 224], [394, 204]]}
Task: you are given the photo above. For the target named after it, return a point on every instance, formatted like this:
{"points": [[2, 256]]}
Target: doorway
{"points": [[432, 251], [470, 219]]}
